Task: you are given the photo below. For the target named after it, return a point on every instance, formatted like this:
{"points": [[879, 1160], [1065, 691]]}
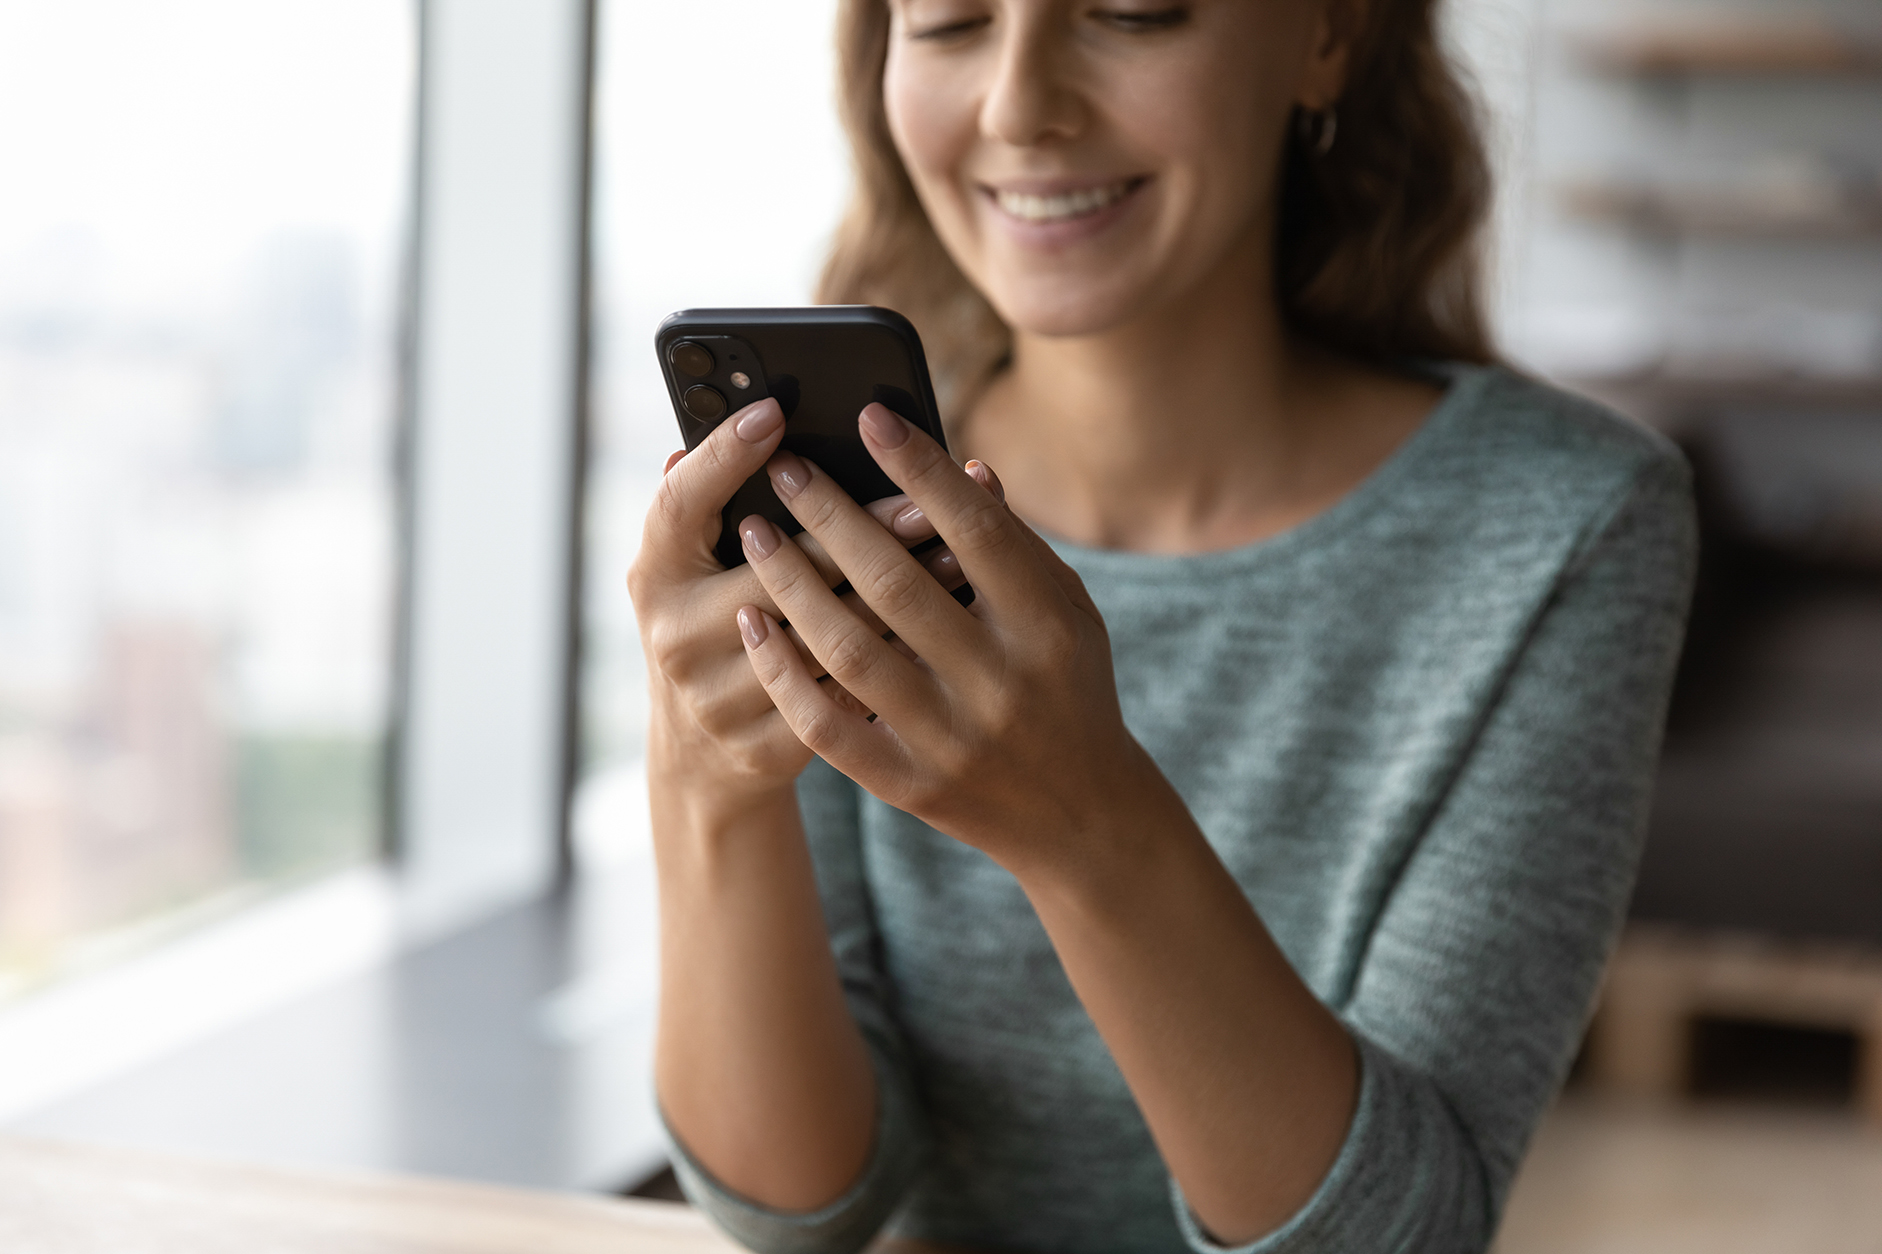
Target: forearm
{"points": [[1248, 1083], [761, 1071]]}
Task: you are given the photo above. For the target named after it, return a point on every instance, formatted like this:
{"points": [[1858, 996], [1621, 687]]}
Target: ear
{"points": [[1337, 29]]}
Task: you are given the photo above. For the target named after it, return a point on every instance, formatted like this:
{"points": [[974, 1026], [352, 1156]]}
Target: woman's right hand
{"points": [[714, 731]]}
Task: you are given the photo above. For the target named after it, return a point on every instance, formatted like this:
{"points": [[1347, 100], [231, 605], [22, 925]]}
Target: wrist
{"points": [[1113, 852]]}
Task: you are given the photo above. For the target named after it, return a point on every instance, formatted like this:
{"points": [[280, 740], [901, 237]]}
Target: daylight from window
{"points": [[720, 174], [200, 241]]}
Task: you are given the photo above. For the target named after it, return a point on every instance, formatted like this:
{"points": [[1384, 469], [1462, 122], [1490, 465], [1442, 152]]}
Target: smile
{"points": [[1063, 206]]}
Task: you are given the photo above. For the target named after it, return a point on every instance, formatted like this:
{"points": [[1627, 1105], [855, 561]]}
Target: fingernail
{"points": [[760, 537], [984, 476], [884, 426], [944, 566], [751, 625], [909, 522], [789, 475], [758, 422]]}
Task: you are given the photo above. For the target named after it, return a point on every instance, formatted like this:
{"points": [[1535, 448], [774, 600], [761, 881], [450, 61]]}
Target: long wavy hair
{"points": [[1376, 251]]}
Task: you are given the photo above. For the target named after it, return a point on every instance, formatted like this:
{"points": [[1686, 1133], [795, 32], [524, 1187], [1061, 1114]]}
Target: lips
{"points": [[1048, 207]]}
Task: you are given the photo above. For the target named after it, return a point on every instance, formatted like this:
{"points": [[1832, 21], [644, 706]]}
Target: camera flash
{"points": [[740, 380]]}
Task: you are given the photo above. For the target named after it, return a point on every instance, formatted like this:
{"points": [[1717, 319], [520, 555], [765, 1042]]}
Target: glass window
{"points": [[200, 246], [720, 172]]}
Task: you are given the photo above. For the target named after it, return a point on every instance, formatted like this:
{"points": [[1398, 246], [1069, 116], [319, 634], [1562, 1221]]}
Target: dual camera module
{"points": [[695, 361]]}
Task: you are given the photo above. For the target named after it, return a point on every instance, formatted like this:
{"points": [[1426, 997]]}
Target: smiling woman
{"points": [[1238, 868]]}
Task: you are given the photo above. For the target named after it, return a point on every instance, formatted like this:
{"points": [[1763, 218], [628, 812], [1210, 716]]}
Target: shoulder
{"points": [[1512, 452]]}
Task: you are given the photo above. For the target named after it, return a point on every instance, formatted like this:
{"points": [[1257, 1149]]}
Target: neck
{"points": [[1175, 431]]}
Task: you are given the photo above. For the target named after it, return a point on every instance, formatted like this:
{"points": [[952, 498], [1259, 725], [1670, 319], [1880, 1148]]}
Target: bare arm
{"points": [[761, 1071], [1247, 1081]]}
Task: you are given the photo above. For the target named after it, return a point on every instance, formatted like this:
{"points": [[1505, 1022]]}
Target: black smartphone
{"points": [[822, 363]]}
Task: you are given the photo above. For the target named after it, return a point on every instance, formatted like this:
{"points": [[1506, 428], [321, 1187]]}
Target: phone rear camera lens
{"points": [[703, 402], [691, 359]]}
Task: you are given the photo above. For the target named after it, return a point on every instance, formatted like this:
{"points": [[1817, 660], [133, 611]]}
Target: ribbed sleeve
{"points": [[1481, 970]]}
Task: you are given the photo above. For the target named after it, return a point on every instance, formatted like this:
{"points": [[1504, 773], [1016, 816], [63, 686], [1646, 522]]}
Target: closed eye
{"points": [[947, 32], [1129, 20]]}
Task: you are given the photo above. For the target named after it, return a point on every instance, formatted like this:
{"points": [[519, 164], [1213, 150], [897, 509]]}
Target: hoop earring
{"points": [[1319, 128]]}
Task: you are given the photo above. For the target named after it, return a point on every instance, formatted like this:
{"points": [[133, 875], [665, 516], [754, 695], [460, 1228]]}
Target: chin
{"points": [[1062, 311]]}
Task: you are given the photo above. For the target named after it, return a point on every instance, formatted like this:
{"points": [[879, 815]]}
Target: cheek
{"points": [[931, 120], [1213, 128]]}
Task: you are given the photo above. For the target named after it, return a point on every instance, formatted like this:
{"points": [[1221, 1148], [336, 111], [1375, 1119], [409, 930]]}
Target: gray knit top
{"points": [[1420, 731]]}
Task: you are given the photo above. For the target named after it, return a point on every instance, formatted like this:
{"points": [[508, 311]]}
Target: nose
{"points": [[1032, 98]]}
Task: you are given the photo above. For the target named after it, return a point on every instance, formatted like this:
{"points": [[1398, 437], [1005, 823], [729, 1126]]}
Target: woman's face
{"points": [[1088, 161]]}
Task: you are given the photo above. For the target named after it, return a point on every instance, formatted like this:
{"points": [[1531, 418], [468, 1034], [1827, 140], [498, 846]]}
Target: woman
{"points": [[1238, 870]]}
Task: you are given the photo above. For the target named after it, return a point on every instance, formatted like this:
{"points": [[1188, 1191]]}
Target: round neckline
{"points": [[1463, 383]]}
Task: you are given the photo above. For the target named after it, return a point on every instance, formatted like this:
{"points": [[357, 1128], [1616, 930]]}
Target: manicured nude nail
{"points": [[756, 424], [761, 538], [884, 426], [984, 476], [944, 566], [910, 523], [751, 625], [789, 475]]}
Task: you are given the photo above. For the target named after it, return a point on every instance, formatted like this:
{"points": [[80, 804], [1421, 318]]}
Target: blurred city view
{"points": [[199, 258]]}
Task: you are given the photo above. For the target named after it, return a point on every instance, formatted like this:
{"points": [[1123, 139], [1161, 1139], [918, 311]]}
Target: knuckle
{"points": [[772, 669], [985, 529], [1059, 642], [924, 794], [852, 659], [819, 729], [750, 755], [788, 582], [716, 718], [667, 515], [1005, 718], [926, 458], [820, 509], [718, 449], [665, 646], [896, 589], [639, 582]]}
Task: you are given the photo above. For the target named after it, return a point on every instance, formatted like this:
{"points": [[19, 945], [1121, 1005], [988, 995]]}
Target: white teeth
{"points": [[1028, 208]]}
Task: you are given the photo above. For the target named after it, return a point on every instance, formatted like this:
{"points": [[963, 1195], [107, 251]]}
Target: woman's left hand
{"points": [[1003, 728]]}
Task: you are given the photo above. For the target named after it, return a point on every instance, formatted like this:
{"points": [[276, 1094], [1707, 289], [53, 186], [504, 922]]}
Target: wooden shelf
{"points": [[1661, 980], [1678, 403], [1747, 213], [1735, 47]]}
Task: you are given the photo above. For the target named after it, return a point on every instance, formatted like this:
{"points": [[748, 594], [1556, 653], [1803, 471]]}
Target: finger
{"points": [[984, 476], [685, 514], [842, 696], [718, 596], [833, 730], [858, 657], [727, 697], [901, 518], [890, 580], [985, 536], [673, 459]]}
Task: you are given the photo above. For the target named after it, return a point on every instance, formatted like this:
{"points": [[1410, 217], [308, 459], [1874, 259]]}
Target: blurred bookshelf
{"points": [[1796, 203], [1730, 45], [1705, 255]]}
